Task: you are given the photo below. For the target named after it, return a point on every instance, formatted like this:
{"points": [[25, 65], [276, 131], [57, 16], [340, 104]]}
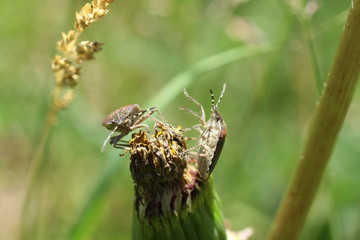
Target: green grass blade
{"points": [[89, 216], [183, 79]]}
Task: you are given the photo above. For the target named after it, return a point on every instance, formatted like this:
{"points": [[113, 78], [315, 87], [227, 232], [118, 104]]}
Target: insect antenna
{"points": [[213, 105], [108, 139], [212, 99]]}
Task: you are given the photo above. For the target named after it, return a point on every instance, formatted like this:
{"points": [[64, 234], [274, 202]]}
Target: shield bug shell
{"points": [[212, 137], [124, 120]]}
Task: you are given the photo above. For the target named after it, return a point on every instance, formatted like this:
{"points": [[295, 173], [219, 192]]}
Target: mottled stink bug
{"points": [[125, 120], [212, 137]]}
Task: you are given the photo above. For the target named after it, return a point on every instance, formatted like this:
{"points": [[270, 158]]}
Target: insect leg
{"points": [[148, 115], [122, 146], [115, 139], [194, 154], [153, 110], [136, 126], [191, 138], [192, 148], [107, 139], [202, 118]]}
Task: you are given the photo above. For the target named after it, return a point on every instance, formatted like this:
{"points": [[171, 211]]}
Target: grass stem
{"points": [[325, 126], [36, 163]]}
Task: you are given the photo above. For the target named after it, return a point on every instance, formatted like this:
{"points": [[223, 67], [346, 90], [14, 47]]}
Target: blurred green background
{"points": [[283, 52]]}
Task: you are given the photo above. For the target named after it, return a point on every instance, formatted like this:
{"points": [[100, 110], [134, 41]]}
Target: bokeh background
{"points": [[280, 54]]}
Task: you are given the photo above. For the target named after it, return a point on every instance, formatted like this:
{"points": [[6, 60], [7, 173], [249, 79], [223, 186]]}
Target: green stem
{"points": [[323, 131], [203, 220]]}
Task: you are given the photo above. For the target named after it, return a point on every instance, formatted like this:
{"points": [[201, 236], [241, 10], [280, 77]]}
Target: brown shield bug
{"points": [[125, 120], [212, 137]]}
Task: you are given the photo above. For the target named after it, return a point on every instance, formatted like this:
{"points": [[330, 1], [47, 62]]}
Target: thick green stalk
{"points": [[323, 131], [201, 220]]}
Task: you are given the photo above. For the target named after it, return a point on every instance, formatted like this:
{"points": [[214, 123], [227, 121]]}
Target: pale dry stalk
{"points": [[66, 67]]}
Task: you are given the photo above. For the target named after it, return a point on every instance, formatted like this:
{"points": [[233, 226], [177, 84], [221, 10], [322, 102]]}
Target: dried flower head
{"points": [[91, 13], [174, 198], [66, 67], [65, 73], [85, 50], [158, 165], [66, 44]]}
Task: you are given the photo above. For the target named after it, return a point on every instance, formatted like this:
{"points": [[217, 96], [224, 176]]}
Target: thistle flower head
{"points": [[158, 165]]}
